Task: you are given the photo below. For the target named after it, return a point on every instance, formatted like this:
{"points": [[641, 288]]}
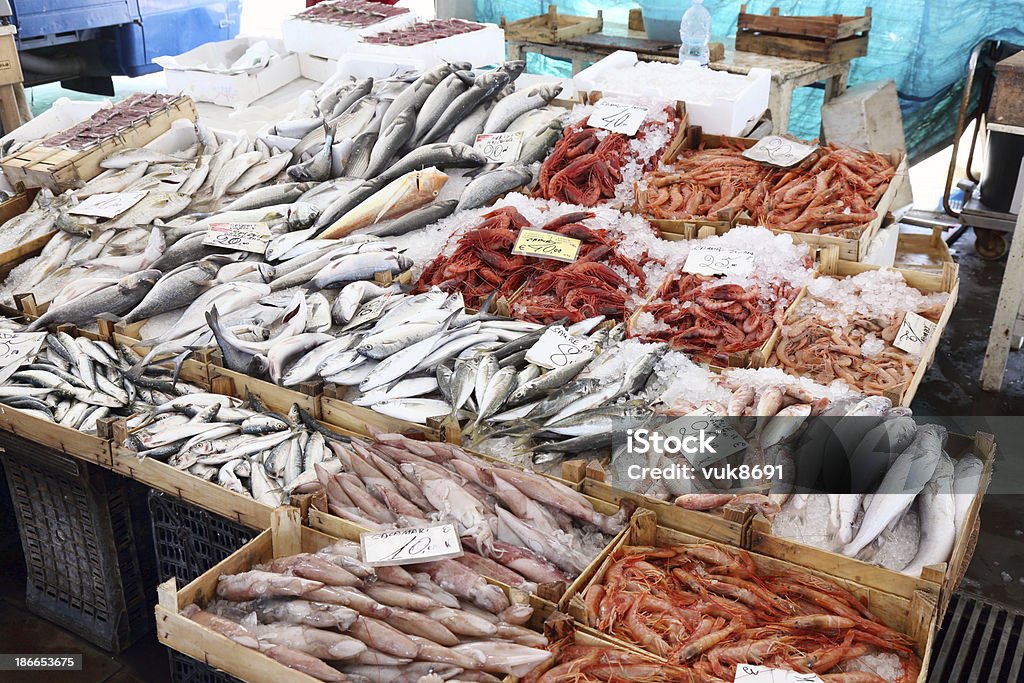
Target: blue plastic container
{"points": [[662, 17]]}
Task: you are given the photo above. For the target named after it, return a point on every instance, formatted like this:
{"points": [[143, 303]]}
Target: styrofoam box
{"points": [[480, 47], [330, 40], [229, 90], [723, 116], [355, 66]]}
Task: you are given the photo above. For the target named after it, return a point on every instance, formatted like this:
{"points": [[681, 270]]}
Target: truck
{"points": [[83, 43]]}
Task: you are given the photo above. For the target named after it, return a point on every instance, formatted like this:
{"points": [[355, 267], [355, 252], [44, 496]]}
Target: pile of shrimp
{"points": [[833, 190], [594, 663], [707, 609]]}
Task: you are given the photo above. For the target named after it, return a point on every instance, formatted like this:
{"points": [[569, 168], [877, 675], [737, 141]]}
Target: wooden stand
{"points": [[14, 109]]}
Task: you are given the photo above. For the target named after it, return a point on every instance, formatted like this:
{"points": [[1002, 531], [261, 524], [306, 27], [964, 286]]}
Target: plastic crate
{"points": [[188, 541], [88, 554]]}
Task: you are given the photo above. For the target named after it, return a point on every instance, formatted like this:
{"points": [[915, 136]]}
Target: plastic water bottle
{"points": [[694, 33]]}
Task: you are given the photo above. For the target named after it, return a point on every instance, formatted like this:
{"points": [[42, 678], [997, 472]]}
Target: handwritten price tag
{"points": [[546, 244], [109, 204], [726, 439], [16, 349], [556, 348], [776, 150], [499, 147], [410, 546], [719, 261], [368, 312], [617, 117], [239, 236], [750, 673], [914, 334]]}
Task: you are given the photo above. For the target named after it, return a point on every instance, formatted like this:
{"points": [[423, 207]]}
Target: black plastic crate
{"points": [[84, 534], [188, 541]]}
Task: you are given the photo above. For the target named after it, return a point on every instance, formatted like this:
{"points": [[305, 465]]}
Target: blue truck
{"points": [[82, 43]]}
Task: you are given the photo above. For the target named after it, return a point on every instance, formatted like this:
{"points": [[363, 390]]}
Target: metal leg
{"points": [[1010, 295]]}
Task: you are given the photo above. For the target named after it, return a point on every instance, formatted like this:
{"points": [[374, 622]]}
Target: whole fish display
{"points": [[332, 616]]}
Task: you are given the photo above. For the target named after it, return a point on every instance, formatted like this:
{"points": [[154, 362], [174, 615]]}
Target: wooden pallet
{"points": [[60, 169], [552, 28], [828, 39]]}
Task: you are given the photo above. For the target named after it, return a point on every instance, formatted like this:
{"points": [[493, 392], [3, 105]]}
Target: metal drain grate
{"points": [[979, 641]]}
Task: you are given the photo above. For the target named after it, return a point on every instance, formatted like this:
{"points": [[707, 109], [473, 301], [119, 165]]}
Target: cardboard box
{"points": [[10, 65]]}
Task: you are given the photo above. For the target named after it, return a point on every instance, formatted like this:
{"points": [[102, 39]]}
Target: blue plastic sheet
{"points": [[923, 45]]}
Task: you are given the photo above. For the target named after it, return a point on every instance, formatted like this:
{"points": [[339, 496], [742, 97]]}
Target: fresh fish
{"points": [[512, 107], [416, 93], [417, 410], [409, 192], [440, 155], [114, 300], [175, 290], [390, 141], [937, 512], [416, 219], [354, 267], [485, 86], [317, 168], [438, 102], [490, 185]]}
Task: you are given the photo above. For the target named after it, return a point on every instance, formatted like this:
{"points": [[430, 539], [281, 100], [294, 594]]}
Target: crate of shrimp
{"points": [[506, 516], [723, 299], [874, 329], [717, 613], [340, 608], [824, 196], [863, 518], [61, 160]]}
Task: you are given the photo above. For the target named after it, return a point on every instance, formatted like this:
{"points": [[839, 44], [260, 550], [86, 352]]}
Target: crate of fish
{"points": [[437, 41], [713, 609], [100, 585], [505, 516], [324, 610], [22, 236], [875, 329], [331, 29], [74, 155], [835, 197], [932, 518]]}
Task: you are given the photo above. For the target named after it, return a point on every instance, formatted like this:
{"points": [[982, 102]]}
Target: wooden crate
{"points": [[914, 616], [358, 419], [285, 537], [59, 169], [277, 398], [552, 28], [730, 526], [552, 594], [939, 580], [852, 244], [928, 283], [828, 39], [15, 206], [922, 251]]}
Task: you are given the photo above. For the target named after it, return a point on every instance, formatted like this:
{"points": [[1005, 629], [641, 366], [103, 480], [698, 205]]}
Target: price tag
{"points": [[546, 244], [108, 205], [556, 348], [239, 236], [16, 348], [368, 312], [726, 439], [499, 147], [750, 673], [409, 546], [779, 151], [914, 333], [719, 261], [618, 117]]}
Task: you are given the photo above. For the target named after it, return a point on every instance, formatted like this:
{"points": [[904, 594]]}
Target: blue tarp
{"points": [[923, 45]]}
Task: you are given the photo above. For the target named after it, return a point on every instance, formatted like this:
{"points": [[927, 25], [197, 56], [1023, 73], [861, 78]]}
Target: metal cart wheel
{"points": [[990, 245]]}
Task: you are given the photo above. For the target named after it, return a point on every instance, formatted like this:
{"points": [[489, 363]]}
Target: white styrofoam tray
{"points": [[355, 66], [330, 40], [480, 48], [724, 115]]}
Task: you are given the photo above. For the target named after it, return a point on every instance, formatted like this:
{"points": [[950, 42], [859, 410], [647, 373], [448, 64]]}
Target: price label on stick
{"points": [[108, 205], [499, 147], [409, 546], [726, 439], [546, 244], [751, 673], [16, 349], [239, 236], [556, 348], [914, 333], [719, 261], [618, 117], [776, 150]]}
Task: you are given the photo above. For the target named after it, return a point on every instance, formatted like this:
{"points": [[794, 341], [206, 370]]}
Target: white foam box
{"points": [[331, 41], [184, 72], [725, 115], [480, 48], [63, 114], [355, 66]]}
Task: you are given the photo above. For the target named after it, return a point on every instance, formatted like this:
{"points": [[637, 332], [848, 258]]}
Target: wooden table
{"points": [[787, 74]]}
